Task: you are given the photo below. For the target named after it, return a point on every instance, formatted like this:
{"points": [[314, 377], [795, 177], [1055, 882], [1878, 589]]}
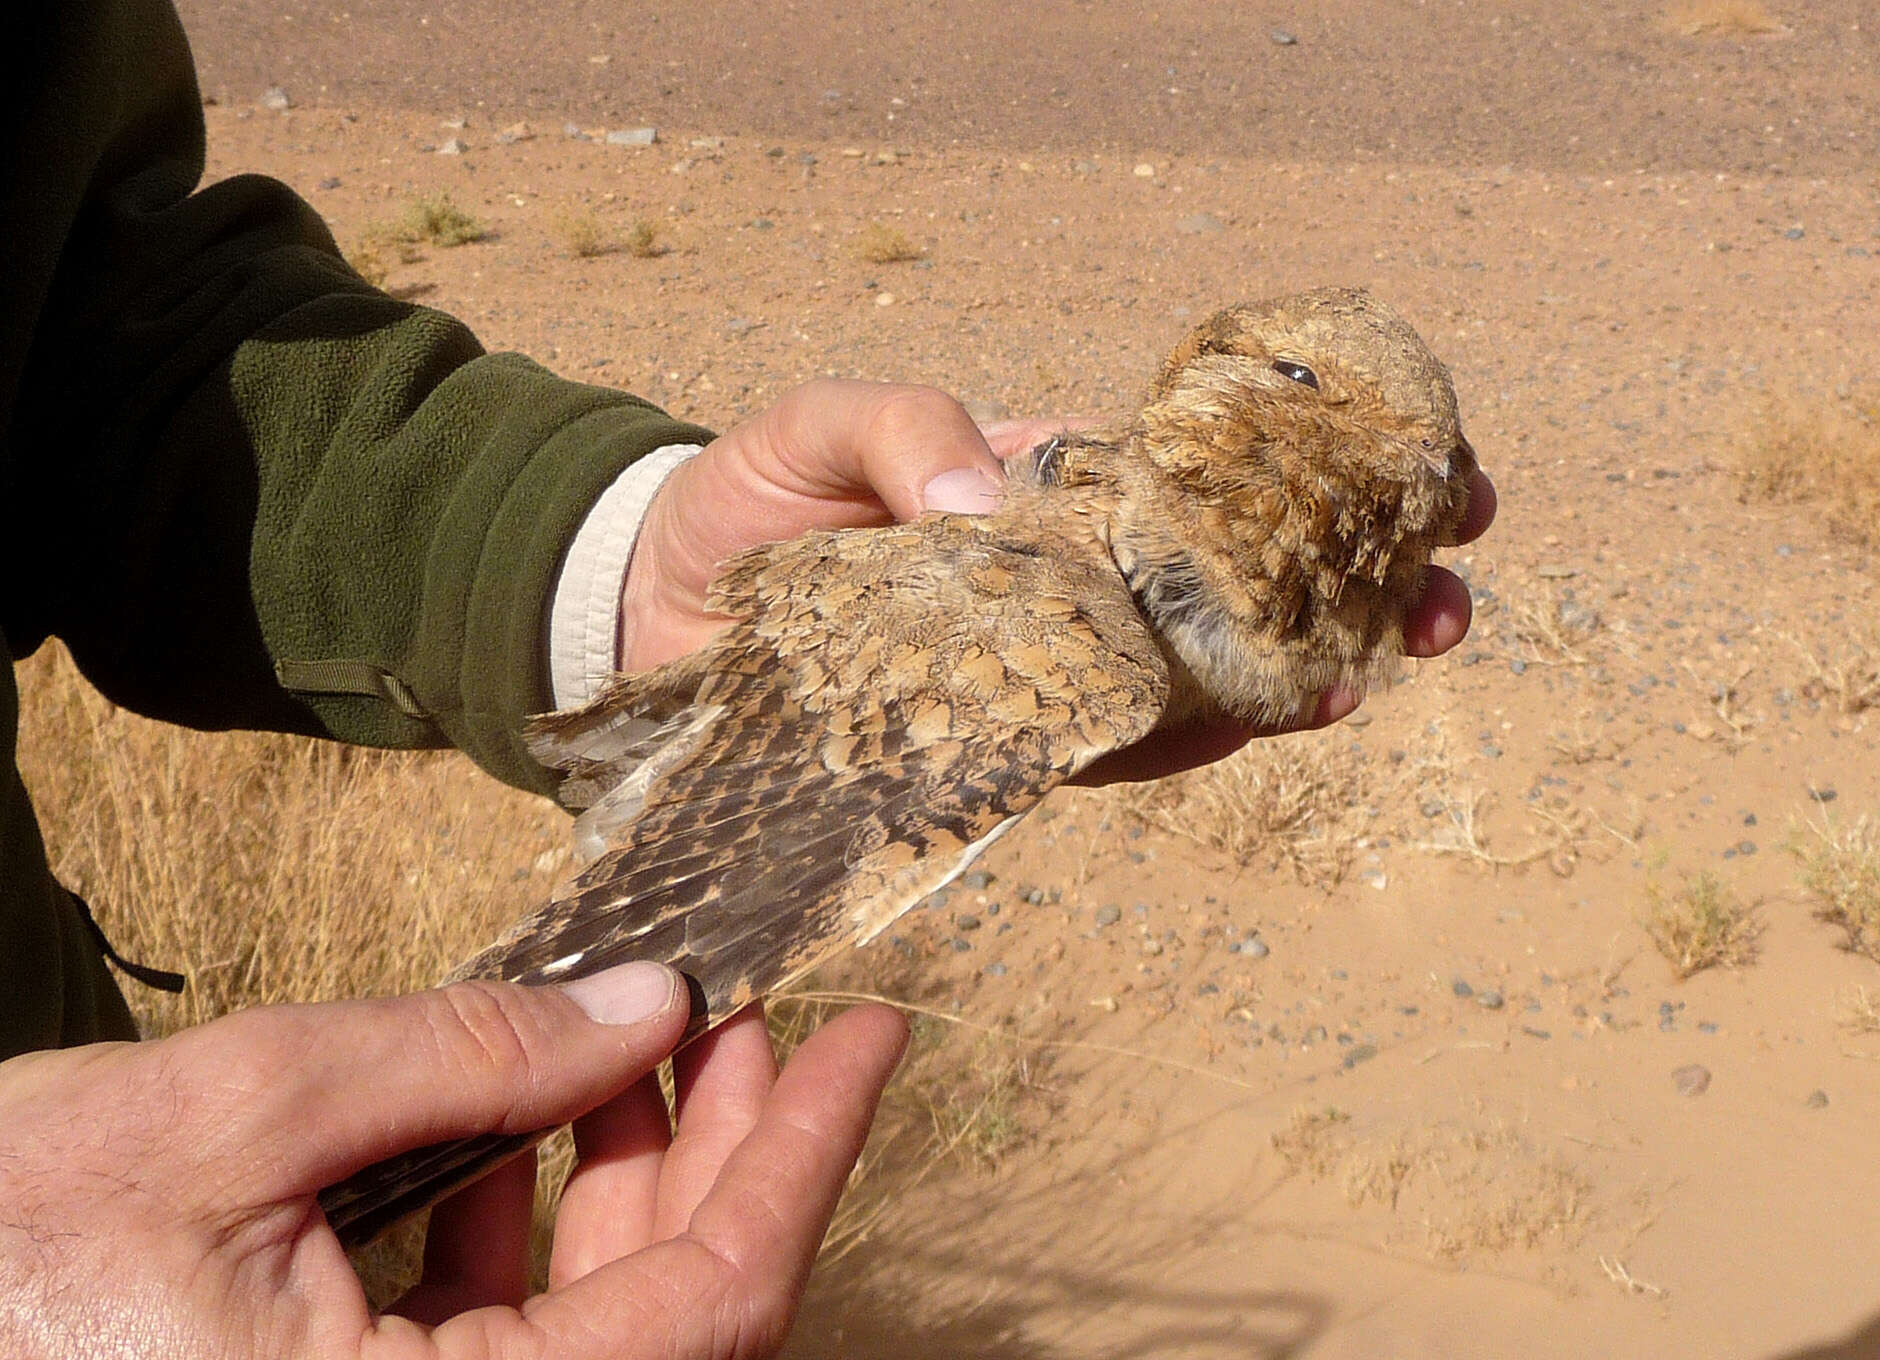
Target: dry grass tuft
{"points": [[1819, 451], [264, 867], [1295, 801], [1861, 1014], [1841, 871], [643, 240], [1551, 627], [1701, 925], [1722, 18], [369, 263], [438, 221], [1849, 677], [879, 244], [584, 235]]}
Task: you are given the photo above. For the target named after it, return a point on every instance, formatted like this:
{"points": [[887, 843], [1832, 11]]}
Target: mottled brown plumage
{"points": [[885, 701]]}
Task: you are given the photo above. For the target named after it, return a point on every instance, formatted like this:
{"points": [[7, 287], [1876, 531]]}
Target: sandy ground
{"points": [[1620, 239]]}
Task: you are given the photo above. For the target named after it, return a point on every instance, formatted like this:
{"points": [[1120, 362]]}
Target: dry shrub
{"points": [[369, 263], [879, 244], [584, 235], [643, 240], [1294, 801], [1841, 871], [1818, 451], [1701, 925], [1722, 18], [439, 222], [1551, 627], [1848, 677]]}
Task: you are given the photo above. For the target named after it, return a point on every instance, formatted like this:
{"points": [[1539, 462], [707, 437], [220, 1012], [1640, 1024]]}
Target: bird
{"points": [[884, 703]]}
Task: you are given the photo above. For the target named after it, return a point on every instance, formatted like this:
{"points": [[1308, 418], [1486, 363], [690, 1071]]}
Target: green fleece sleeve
{"points": [[252, 490]]}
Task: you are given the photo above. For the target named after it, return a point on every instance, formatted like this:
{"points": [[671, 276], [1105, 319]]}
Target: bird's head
{"points": [[1333, 377], [1280, 492]]}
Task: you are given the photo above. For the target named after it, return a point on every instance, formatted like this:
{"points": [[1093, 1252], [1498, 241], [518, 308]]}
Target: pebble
{"points": [[1536, 1033], [1823, 795], [1253, 948], [1461, 988], [884, 299], [1200, 224], [330, 182], [1109, 916], [995, 970], [515, 132], [978, 880], [1144, 171], [640, 136], [1085, 167], [574, 133], [1489, 1001], [967, 923], [1315, 1035], [276, 98], [452, 146], [1152, 947], [1283, 37], [1793, 234], [1361, 1053], [1693, 1079], [961, 944], [1817, 1100]]}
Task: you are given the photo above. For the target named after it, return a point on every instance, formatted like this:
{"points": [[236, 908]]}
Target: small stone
{"points": [[1085, 167], [1253, 949], [1144, 171], [1360, 1053], [1109, 916], [961, 944], [1035, 897], [1200, 224], [276, 98], [967, 923], [1315, 1035], [1693, 1079], [1489, 1001], [639, 136], [976, 881], [1823, 795], [1817, 1100], [1746, 847], [1461, 988], [1793, 234], [1152, 947], [515, 132], [995, 970], [330, 182], [1530, 1031], [1556, 571], [452, 146], [1283, 37], [884, 299]]}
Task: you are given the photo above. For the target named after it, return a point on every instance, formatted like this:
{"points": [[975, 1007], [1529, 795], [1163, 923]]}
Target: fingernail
{"points": [[963, 491], [625, 994]]}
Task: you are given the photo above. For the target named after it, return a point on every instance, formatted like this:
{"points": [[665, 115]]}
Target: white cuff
{"points": [[584, 613]]}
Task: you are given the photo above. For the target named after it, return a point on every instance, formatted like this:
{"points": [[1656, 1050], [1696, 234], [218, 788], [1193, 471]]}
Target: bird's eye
{"points": [[1298, 372]]}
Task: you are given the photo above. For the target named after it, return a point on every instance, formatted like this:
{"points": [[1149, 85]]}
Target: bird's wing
{"points": [[884, 704]]}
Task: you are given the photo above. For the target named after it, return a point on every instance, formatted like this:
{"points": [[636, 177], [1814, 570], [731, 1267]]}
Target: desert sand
{"points": [[1445, 1107]]}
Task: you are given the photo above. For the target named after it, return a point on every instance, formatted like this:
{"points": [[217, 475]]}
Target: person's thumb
{"points": [[302, 1096]]}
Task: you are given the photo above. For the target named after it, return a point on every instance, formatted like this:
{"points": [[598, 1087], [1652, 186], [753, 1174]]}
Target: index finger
{"points": [[740, 1267]]}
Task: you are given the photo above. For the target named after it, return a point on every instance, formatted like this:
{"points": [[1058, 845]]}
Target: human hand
{"points": [[159, 1199]]}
